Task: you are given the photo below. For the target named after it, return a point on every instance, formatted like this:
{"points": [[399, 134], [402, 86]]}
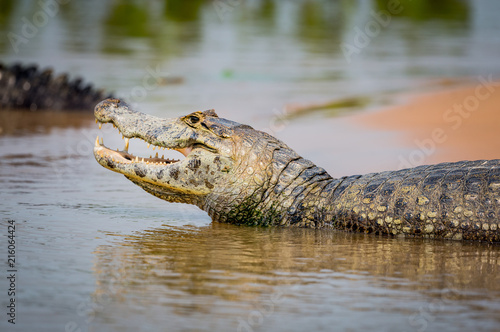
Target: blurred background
{"points": [[96, 253], [260, 61]]}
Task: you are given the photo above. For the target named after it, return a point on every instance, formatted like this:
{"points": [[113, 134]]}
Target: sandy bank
{"points": [[457, 124]]}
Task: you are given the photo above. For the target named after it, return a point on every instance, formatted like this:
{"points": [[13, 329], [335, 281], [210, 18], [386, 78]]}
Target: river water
{"points": [[93, 252]]}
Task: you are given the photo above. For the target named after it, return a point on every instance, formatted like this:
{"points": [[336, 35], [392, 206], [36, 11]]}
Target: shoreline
{"points": [[443, 126]]}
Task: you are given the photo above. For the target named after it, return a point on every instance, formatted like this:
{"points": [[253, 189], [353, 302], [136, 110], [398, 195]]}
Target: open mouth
{"points": [[125, 157]]}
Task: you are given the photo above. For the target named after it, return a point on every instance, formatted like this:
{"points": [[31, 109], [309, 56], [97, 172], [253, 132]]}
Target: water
{"points": [[96, 253]]}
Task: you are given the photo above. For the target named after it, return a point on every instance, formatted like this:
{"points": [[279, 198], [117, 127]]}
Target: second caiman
{"points": [[27, 87], [241, 175]]}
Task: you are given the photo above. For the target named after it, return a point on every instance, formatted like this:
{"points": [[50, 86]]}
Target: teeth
{"points": [[127, 141], [95, 121], [114, 126], [99, 141], [100, 125]]}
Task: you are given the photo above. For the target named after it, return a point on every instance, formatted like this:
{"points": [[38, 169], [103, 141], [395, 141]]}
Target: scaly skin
{"points": [[243, 176], [28, 88]]}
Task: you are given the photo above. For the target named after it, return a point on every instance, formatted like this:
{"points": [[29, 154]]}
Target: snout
{"points": [[109, 108]]}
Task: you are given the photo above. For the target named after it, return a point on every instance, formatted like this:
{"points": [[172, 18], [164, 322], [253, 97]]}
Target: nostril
{"points": [[110, 108], [102, 109], [107, 103], [110, 102]]}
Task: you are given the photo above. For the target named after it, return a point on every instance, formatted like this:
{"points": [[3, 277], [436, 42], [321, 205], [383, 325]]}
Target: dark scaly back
{"points": [[29, 88], [450, 200]]}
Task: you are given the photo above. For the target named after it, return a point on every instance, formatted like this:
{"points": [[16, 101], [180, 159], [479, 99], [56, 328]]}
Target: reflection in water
{"points": [[124, 20], [164, 34], [426, 10], [321, 25], [267, 11], [183, 10], [184, 270], [129, 19], [16, 122], [318, 23], [6, 7]]}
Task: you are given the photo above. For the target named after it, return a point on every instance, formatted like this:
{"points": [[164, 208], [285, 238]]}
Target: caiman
{"points": [[26, 87], [241, 175]]}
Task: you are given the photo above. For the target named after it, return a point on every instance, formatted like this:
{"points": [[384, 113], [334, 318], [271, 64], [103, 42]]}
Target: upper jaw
{"points": [[156, 132], [133, 124]]}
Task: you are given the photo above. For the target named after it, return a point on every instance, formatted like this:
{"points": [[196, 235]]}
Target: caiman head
{"points": [[229, 170]]}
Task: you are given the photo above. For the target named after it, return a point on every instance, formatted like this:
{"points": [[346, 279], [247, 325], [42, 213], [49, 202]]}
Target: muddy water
{"points": [[96, 253]]}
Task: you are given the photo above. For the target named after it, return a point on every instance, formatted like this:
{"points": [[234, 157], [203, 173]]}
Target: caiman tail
{"points": [[450, 200]]}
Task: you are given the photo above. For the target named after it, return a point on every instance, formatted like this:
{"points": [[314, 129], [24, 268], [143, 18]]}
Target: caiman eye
{"points": [[194, 119]]}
